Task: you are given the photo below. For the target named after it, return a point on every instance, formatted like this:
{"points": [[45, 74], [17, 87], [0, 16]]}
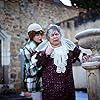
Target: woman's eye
{"points": [[52, 34], [55, 34]]}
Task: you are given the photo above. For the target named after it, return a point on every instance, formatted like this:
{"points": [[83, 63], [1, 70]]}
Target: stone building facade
{"points": [[15, 16]]}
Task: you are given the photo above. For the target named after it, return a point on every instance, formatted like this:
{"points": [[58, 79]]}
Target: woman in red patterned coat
{"points": [[56, 56]]}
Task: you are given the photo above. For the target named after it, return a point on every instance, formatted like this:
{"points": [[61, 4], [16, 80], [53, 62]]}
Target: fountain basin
{"points": [[89, 39]]}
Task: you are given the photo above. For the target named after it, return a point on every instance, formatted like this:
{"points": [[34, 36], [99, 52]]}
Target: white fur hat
{"points": [[34, 27]]}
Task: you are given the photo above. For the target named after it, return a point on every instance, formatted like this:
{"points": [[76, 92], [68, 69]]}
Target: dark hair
{"points": [[33, 33]]}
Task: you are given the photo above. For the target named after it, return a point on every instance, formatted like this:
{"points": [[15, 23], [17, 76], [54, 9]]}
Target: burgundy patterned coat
{"points": [[57, 86]]}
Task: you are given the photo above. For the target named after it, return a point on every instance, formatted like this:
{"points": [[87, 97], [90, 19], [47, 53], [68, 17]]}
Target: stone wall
{"points": [[16, 15], [72, 31]]}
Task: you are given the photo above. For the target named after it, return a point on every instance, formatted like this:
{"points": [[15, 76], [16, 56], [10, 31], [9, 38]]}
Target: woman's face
{"points": [[54, 39], [37, 38]]}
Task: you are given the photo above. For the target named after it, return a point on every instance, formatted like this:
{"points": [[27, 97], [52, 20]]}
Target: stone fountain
{"points": [[90, 39]]}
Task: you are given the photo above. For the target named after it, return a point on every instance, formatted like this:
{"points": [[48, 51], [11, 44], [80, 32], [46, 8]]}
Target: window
{"points": [[4, 54], [0, 53], [4, 48]]}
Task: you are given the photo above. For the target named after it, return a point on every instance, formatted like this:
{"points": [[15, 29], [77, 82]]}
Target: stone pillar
{"points": [[90, 39]]}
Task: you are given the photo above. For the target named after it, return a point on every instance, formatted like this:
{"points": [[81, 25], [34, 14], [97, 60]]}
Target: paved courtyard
{"points": [[80, 95]]}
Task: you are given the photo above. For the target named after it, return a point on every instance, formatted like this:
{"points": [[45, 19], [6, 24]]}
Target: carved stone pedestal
{"points": [[90, 39], [93, 78]]}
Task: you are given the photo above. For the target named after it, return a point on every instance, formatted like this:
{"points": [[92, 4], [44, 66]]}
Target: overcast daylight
{"points": [[49, 49], [66, 2]]}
